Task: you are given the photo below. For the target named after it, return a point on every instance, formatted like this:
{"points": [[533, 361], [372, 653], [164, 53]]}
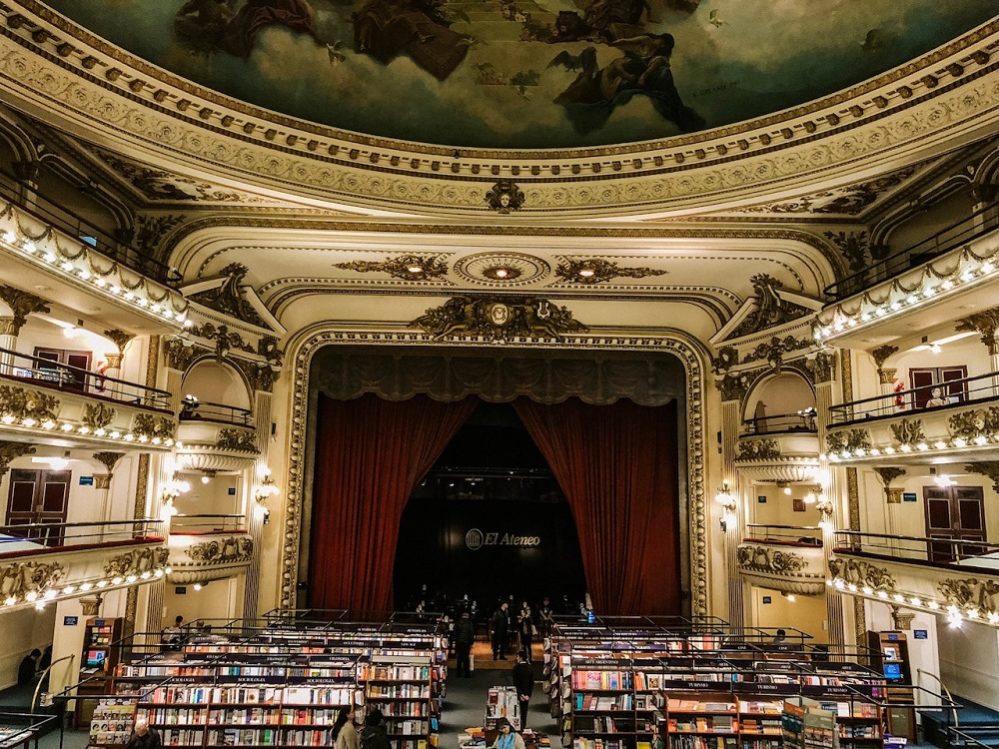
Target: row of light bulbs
{"points": [[843, 320], [163, 308], [66, 427], [955, 615], [923, 447], [41, 599]]}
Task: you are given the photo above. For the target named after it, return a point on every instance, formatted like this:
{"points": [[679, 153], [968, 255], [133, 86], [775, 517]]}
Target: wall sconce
{"points": [[726, 499], [265, 489], [171, 490], [825, 507]]}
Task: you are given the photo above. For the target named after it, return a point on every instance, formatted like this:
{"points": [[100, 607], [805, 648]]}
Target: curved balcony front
{"points": [[785, 558], [208, 547], [215, 437]]}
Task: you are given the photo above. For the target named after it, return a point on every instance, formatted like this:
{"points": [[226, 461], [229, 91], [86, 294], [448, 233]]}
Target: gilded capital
{"points": [[102, 481], [114, 360], [7, 326], [22, 304], [886, 375], [984, 323]]}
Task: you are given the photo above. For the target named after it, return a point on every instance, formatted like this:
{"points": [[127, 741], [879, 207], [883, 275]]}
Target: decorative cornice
{"points": [[498, 319]]}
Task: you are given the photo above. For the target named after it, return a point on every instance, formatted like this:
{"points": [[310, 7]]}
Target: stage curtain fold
{"points": [[370, 455], [617, 466]]}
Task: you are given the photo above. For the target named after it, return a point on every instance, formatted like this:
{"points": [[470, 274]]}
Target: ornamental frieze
{"points": [[971, 593], [768, 560], [98, 415], [136, 561], [765, 449], [149, 426], [499, 319], [20, 579], [236, 439], [860, 573], [968, 425], [23, 403], [850, 439], [908, 432], [230, 550]]}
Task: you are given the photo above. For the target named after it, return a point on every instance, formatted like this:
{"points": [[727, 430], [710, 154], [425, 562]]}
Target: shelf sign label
{"points": [[476, 539]]}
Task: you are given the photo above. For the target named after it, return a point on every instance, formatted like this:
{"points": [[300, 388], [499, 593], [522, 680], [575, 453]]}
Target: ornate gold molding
{"points": [[407, 267], [108, 459], [769, 560], [762, 449], [984, 323], [236, 439], [150, 427], [970, 425], [11, 450], [849, 439], [98, 415], [22, 403], [119, 337], [499, 319], [136, 561], [861, 573], [22, 581], [595, 270], [908, 432], [988, 468], [971, 593], [229, 550], [22, 304]]}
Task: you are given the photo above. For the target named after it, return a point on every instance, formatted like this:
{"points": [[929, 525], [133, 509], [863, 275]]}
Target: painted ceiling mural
{"points": [[527, 73]]}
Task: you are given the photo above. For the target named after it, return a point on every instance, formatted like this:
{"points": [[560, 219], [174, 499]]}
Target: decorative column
{"points": [[120, 339], [822, 369], [733, 389], [102, 482], [985, 323], [893, 496], [22, 304], [886, 376]]}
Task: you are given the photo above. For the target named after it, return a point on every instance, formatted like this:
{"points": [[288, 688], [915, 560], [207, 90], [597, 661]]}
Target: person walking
{"points": [[464, 638], [507, 738], [344, 734], [523, 682], [500, 627]]}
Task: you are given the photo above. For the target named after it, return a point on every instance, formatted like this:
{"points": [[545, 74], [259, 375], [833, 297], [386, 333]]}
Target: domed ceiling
{"points": [[527, 73]]}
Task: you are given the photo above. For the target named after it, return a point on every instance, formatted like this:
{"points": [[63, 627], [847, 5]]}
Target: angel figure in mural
{"points": [[643, 69], [207, 26]]}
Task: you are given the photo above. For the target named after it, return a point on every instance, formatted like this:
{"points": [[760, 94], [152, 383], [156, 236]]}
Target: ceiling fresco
{"points": [[527, 73]]}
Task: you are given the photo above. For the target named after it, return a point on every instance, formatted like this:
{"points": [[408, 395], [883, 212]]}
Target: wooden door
{"points": [[957, 513], [38, 497], [921, 381], [67, 378]]}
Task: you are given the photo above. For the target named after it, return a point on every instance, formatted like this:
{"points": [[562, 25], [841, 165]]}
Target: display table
{"points": [[479, 737]]}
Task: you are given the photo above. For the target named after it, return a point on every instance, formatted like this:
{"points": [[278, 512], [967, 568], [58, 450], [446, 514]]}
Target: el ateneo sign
{"points": [[476, 539]]}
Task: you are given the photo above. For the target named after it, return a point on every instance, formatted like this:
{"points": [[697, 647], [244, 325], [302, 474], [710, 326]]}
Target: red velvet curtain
{"points": [[370, 455], [618, 468]]}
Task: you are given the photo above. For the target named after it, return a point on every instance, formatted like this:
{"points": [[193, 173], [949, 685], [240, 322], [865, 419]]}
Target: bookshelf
{"points": [[98, 660], [502, 702]]}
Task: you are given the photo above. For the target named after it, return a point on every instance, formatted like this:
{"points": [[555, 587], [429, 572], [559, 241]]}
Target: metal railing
{"points": [[27, 728], [207, 523], [977, 736], [799, 421], [13, 190], [27, 537], [915, 548], [921, 400], [978, 224], [792, 535], [195, 410], [67, 378]]}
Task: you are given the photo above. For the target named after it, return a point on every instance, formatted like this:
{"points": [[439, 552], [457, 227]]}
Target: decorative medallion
{"points": [[501, 269], [407, 267], [594, 271], [499, 319], [505, 197]]}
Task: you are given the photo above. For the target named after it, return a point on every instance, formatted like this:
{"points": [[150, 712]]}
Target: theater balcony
{"points": [[215, 437], [46, 402], [208, 547], [913, 426], [45, 562], [44, 246], [783, 447], [915, 288], [785, 558], [957, 578]]}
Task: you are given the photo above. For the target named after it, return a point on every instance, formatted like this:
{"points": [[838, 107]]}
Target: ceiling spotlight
{"points": [[501, 273], [586, 273], [415, 269], [205, 479]]}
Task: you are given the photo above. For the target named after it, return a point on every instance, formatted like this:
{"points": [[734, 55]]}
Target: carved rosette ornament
{"points": [[241, 440], [734, 387], [595, 270], [728, 357], [861, 573], [407, 267], [499, 319], [984, 323], [908, 432], [765, 449], [21, 579], [229, 550], [11, 450], [98, 415], [22, 403]]}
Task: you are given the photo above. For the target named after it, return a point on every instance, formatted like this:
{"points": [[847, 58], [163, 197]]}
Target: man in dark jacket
{"points": [[29, 665], [523, 682], [499, 625], [143, 737], [373, 735], [464, 637]]}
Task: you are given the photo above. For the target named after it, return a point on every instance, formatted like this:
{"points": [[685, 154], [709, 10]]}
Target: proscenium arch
{"points": [[300, 401]]}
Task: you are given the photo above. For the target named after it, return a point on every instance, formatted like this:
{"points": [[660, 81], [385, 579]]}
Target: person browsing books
{"points": [[344, 734], [143, 736], [507, 738]]}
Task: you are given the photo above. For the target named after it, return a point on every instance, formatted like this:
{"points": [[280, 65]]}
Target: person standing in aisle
{"points": [[523, 682], [500, 627], [374, 735], [547, 615], [526, 629], [507, 738], [344, 734], [464, 638]]}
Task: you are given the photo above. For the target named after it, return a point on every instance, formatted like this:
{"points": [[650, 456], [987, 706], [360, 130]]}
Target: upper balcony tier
{"points": [[51, 248], [917, 288], [46, 402], [955, 421], [783, 557], [952, 576], [43, 562]]}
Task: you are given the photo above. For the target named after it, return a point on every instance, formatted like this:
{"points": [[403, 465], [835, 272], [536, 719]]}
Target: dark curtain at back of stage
{"points": [[617, 466], [370, 455]]}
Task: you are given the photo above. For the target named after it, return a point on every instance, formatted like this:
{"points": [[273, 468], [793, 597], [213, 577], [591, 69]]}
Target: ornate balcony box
{"points": [[34, 575], [785, 456], [782, 565], [201, 557], [215, 446]]}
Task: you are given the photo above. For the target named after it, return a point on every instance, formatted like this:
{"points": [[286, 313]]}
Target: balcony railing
{"points": [[12, 190], [218, 412], [29, 537], [64, 377], [936, 551], [926, 399], [207, 523], [799, 421], [979, 223], [790, 535]]}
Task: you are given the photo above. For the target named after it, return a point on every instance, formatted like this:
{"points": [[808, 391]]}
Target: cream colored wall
{"points": [[779, 507], [216, 601], [807, 613], [783, 394], [23, 630], [969, 661], [213, 497]]}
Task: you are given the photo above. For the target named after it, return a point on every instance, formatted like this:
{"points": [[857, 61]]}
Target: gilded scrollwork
{"points": [[770, 308], [180, 353], [848, 440], [23, 403], [499, 319], [595, 270], [136, 561], [22, 579], [821, 367], [149, 426], [861, 573], [968, 425], [728, 357], [236, 439], [229, 550], [769, 560], [773, 350], [11, 450], [733, 387], [765, 449], [406, 267], [98, 415], [908, 432], [971, 593]]}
